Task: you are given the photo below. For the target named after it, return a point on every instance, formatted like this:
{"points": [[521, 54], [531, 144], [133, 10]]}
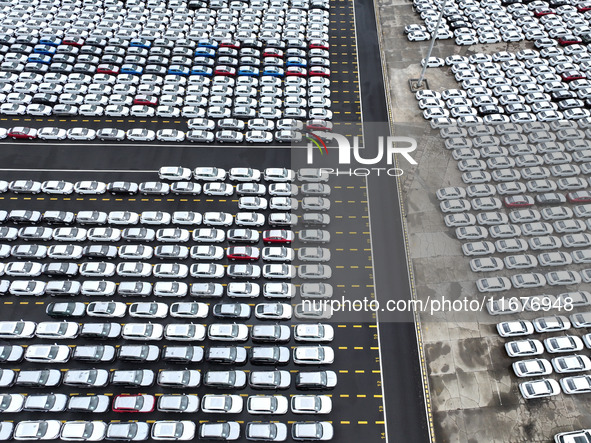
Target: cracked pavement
{"points": [[474, 394]]}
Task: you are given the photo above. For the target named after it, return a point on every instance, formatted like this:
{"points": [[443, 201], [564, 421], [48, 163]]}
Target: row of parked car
{"points": [[108, 288], [141, 252], [61, 330], [258, 355], [172, 378], [165, 235], [542, 325], [212, 177], [237, 355], [544, 22], [164, 430], [179, 403], [135, 269]]}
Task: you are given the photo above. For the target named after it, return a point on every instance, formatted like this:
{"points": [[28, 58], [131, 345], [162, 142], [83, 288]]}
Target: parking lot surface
{"points": [[358, 387], [473, 388]]}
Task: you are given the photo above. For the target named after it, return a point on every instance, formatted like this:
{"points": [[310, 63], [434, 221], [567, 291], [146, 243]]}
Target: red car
{"points": [[146, 100], [134, 403], [296, 71], [584, 8], [579, 197], [22, 132], [273, 52], [234, 44], [278, 236], [572, 75], [542, 12], [225, 70], [569, 40], [243, 253], [319, 125], [73, 41], [107, 69], [319, 44], [319, 71], [518, 201]]}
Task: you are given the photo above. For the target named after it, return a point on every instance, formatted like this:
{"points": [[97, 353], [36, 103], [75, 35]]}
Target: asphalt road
{"points": [[404, 398]]}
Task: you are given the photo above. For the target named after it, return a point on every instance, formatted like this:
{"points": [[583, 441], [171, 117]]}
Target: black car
{"points": [[550, 198], [66, 309], [56, 269], [45, 99], [122, 188], [231, 310], [57, 218], [489, 109], [459, 24], [100, 251]]}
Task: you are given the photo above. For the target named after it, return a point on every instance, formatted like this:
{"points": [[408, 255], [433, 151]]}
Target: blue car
{"points": [[249, 71], [179, 70], [274, 71], [207, 43], [39, 58], [50, 40], [140, 43], [204, 52], [202, 70], [296, 61], [131, 69], [44, 49]]}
